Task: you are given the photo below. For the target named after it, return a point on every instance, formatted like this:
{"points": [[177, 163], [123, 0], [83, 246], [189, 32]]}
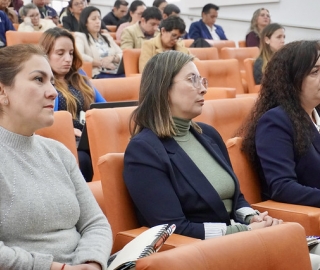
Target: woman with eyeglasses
{"points": [[31, 20], [134, 15], [178, 171], [171, 31], [260, 19], [71, 20]]}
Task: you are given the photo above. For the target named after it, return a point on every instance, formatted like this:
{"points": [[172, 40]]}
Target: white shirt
{"points": [[317, 119], [213, 33]]}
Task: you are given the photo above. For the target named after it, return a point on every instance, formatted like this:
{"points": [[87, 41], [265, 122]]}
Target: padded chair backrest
{"points": [[119, 207], [87, 68], [112, 28], [131, 61], [108, 132], [61, 130], [240, 54], [210, 53], [280, 247], [219, 44], [226, 115], [118, 89], [248, 178], [248, 66], [242, 43], [221, 73], [16, 26], [16, 37], [219, 93], [187, 42]]}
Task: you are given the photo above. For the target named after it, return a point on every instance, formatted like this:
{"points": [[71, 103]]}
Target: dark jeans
{"points": [[108, 76]]}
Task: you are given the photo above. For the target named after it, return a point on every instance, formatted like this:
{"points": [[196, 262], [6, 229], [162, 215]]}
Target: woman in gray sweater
{"points": [[49, 219]]}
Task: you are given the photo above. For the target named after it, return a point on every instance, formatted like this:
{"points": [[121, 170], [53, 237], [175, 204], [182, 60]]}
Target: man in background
{"points": [[5, 25], [170, 9], [206, 28], [133, 36], [120, 8], [46, 12]]}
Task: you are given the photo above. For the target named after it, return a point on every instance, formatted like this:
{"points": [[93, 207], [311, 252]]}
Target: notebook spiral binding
{"points": [[161, 237]]}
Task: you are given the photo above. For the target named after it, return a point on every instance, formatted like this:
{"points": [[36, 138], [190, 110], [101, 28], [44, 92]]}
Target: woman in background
{"points": [[134, 15], [75, 93], [31, 20], [71, 20], [260, 19], [172, 30], [272, 40], [160, 4], [49, 217], [98, 48]]}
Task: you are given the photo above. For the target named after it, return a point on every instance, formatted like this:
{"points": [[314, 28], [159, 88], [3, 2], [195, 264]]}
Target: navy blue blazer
{"points": [[200, 30], [167, 187], [285, 176]]}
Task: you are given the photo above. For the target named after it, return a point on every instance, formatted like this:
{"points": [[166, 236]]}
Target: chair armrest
{"points": [[307, 216], [175, 240]]}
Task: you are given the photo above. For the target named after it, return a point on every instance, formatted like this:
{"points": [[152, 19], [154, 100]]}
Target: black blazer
{"points": [[167, 187]]}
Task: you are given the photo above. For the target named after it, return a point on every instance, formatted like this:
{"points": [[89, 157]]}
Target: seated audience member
{"points": [[4, 6], [5, 25], [260, 19], [206, 28], [272, 40], [50, 219], [180, 167], [133, 36], [170, 9], [120, 9], [46, 12], [98, 48], [282, 137], [16, 5], [171, 31], [74, 91], [71, 20], [134, 15], [160, 4], [31, 20]]}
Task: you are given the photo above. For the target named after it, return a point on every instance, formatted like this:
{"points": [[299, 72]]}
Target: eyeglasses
{"points": [[175, 37], [197, 81]]}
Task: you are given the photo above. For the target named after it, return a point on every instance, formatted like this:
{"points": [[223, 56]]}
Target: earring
{"points": [[6, 102]]}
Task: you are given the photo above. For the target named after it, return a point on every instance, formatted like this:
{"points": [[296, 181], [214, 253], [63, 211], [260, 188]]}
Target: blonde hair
{"points": [[254, 21]]}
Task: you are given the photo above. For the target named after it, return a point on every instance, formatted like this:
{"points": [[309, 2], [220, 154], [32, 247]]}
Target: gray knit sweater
{"points": [[47, 211]]}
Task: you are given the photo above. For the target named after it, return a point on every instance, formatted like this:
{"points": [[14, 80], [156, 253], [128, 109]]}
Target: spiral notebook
{"points": [[146, 243]]}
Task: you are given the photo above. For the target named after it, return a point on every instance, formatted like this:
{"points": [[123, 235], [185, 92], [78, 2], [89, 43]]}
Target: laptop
{"points": [[83, 142], [120, 69]]}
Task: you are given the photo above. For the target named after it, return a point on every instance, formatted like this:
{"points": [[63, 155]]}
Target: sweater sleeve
{"points": [[15, 258], [81, 48]]}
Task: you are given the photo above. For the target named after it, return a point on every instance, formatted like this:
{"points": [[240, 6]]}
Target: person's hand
{"points": [[106, 62], [27, 20], [88, 266], [260, 217], [77, 132], [265, 223]]}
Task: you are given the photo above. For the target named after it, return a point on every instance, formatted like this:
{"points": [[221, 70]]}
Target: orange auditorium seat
{"points": [[187, 42], [205, 53], [252, 86], [131, 61], [112, 28], [219, 44], [16, 37], [118, 89], [242, 43]]}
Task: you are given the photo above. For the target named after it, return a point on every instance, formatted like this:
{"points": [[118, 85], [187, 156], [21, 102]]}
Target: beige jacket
{"points": [[89, 52], [153, 46], [44, 26], [132, 37]]}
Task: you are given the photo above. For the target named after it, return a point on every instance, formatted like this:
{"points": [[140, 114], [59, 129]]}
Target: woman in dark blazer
{"points": [[282, 137], [178, 171]]}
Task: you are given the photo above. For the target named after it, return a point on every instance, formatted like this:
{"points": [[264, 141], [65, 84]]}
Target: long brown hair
{"points": [[73, 77], [265, 50]]}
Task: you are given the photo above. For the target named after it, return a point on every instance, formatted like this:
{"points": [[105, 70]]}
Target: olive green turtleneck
{"points": [[218, 177]]}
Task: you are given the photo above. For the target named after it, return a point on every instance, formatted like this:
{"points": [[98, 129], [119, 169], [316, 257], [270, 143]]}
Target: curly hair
{"points": [[282, 86]]}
